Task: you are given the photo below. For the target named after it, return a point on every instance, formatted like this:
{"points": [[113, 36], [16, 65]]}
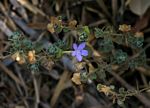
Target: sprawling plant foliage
{"points": [[93, 52]]}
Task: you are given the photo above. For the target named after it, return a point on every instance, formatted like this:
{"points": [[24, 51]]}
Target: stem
{"points": [[89, 45], [67, 52], [37, 101], [114, 34]]}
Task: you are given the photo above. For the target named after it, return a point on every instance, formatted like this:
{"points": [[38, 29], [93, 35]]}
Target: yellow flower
{"points": [[124, 27], [80, 65], [19, 58], [72, 24], [104, 89], [76, 78], [31, 56], [50, 28], [54, 21]]}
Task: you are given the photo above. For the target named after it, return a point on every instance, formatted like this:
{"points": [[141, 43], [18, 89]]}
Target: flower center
{"points": [[78, 52]]}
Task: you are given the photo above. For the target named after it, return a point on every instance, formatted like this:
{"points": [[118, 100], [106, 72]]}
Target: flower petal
{"points": [[84, 52], [81, 46], [79, 57], [74, 46], [73, 53]]}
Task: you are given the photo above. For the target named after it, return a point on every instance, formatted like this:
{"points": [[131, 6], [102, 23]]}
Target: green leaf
{"points": [[60, 43], [38, 47], [112, 87], [100, 72], [93, 76], [58, 28], [121, 90], [99, 86], [16, 35], [100, 33], [135, 42], [53, 49], [120, 103], [138, 61], [66, 29], [120, 56], [59, 53], [83, 77], [27, 44], [83, 36], [86, 30], [105, 45]]}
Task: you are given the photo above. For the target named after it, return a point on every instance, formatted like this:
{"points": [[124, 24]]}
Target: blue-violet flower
{"points": [[79, 51]]}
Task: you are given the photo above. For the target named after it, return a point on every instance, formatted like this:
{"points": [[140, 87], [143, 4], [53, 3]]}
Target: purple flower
{"points": [[79, 51]]}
